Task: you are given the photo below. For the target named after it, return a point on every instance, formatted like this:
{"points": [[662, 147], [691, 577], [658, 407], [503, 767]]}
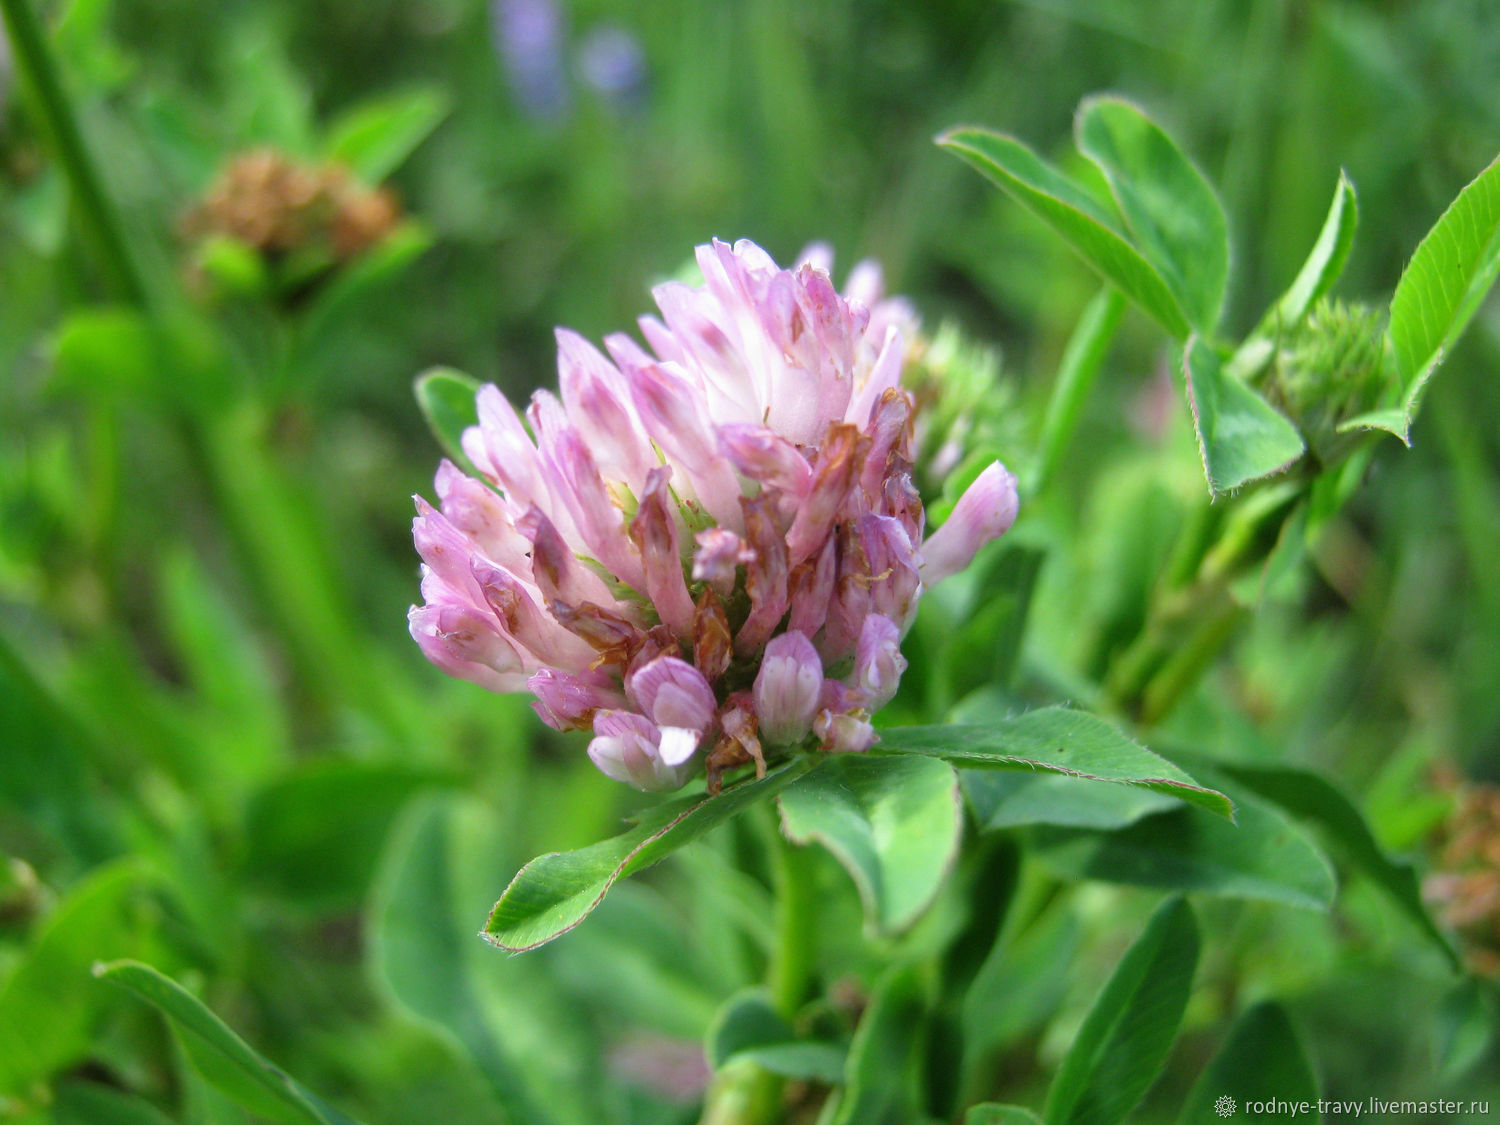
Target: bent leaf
{"points": [[1326, 260], [107, 351], [48, 1005], [342, 298], [79, 1102], [1093, 233], [375, 138], [1010, 800], [220, 1055], [1170, 209], [1054, 740], [447, 400], [1126, 1036], [553, 893], [1241, 437], [893, 822], [516, 1029], [1443, 284]]}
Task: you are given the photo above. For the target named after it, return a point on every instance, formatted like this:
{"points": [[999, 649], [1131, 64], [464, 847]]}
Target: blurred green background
{"points": [[220, 751]]}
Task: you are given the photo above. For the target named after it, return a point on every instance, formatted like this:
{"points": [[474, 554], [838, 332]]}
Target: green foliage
{"points": [[1011, 800], [1261, 1053], [1241, 437], [880, 1076], [892, 822], [219, 1054], [1448, 276], [991, 1113], [1165, 245], [1330, 373], [48, 1009], [107, 352], [1056, 740], [376, 138], [1260, 856], [426, 957], [1170, 210], [748, 1028], [1305, 794], [1122, 1044], [220, 753], [1085, 224], [554, 893], [1325, 262], [447, 400]]}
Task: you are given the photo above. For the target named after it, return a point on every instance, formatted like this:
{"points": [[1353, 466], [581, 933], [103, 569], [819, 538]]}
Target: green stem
{"points": [[791, 971], [743, 1093], [1183, 667], [1081, 363], [35, 62], [1194, 615]]}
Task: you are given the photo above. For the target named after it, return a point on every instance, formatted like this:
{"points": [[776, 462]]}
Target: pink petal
{"points": [[525, 622], [463, 643], [502, 450], [718, 558], [765, 576], [839, 459], [673, 694], [566, 701], [676, 416], [654, 533], [597, 399]]}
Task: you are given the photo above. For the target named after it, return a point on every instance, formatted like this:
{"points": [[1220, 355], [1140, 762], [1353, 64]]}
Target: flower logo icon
{"points": [[1224, 1106]]}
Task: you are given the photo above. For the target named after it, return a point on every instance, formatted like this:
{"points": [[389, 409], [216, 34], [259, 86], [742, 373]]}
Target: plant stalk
{"points": [[35, 62], [743, 1093], [1081, 363], [1194, 614], [791, 971]]}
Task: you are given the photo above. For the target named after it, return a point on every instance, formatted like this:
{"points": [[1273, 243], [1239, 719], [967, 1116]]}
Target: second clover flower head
{"points": [[704, 551]]}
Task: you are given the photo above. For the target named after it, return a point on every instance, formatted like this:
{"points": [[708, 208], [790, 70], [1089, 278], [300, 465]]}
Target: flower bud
{"points": [[985, 511], [787, 689], [878, 662], [625, 748]]}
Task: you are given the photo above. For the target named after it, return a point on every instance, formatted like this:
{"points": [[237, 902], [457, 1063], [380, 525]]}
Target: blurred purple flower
{"points": [[705, 551], [611, 61], [528, 36]]}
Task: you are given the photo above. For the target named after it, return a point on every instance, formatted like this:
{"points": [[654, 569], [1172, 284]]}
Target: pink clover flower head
{"points": [[707, 550]]}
